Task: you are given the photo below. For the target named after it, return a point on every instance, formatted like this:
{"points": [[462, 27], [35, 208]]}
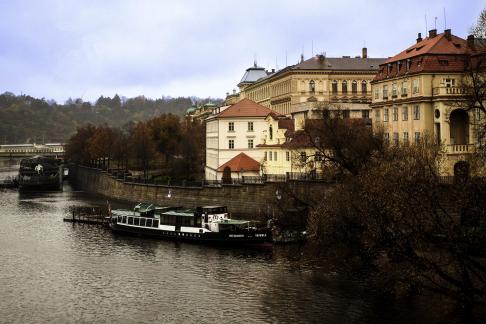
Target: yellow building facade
{"points": [[418, 93], [301, 90]]}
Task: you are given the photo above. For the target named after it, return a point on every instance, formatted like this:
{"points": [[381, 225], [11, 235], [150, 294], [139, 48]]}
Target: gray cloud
{"points": [[60, 49]]}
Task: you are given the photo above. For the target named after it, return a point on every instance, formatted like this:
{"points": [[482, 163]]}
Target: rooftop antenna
{"points": [[286, 58], [426, 25], [254, 60], [435, 22], [312, 50], [445, 19], [276, 63]]}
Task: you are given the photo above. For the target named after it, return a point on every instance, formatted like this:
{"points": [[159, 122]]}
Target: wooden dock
{"points": [[88, 215]]}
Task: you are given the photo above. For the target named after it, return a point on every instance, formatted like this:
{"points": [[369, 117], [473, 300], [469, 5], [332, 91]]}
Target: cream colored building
{"points": [[286, 151], [230, 131], [302, 90], [418, 92]]}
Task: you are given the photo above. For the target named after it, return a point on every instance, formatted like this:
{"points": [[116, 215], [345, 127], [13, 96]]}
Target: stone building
{"points": [[302, 90], [232, 135], [418, 92]]}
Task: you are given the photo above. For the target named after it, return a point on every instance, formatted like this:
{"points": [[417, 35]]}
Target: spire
{"points": [[301, 57]]}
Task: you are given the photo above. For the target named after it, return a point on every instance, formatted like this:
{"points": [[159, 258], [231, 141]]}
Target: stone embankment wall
{"points": [[254, 200]]}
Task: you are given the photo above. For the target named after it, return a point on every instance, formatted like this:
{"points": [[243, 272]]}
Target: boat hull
{"points": [[238, 238]]}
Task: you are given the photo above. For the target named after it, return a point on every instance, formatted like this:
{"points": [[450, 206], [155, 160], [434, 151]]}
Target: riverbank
{"points": [[254, 201]]}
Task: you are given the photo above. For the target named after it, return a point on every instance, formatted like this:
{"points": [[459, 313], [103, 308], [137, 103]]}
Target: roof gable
{"points": [[240, 163], [246, 108]]}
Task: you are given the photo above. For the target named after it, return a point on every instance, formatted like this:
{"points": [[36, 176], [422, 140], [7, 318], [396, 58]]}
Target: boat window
{"points": [[124, 220], [136, 221], [149, 223], [119, 219], [142, 221], [130, 220], [155, 223]]}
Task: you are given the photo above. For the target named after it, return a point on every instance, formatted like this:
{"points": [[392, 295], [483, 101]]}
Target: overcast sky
{"points": [[61, 48]]}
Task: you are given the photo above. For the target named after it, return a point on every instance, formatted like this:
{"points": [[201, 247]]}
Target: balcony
{"points": [[447, 91], [460, 148]]}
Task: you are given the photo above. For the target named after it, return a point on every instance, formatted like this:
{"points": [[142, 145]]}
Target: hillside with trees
{"points": [[26, 119]]}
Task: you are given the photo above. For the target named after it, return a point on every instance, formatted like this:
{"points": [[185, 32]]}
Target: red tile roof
{"points": [[435, 45], [436, 54], [241, 162], [246, 108]]}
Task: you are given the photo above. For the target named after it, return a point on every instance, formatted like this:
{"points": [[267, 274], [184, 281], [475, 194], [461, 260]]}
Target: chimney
{"points": [[448, 34], [301, 58], [273, 70], [432, 33], [234, 91], [419, 37], [321, 58], [470, 41], [365, 52]]}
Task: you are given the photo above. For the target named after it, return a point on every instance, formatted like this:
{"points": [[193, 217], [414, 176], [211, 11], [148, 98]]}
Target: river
{"points": [[57, 272]]}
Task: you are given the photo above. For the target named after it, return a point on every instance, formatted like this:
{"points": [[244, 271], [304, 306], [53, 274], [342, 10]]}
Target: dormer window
{"points": [[389, 67], [409, 64], [399, 64], [270, 132], [312, 86]]}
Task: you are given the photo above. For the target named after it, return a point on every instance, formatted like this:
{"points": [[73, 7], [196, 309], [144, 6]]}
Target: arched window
{"points": [[364, 88], [312, 86], [334, 87], [345, 87], [354, 87]]}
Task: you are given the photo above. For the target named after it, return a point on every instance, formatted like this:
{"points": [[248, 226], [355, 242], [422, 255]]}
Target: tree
{"points": [[479, 29], [77, 147], [142, 146]]}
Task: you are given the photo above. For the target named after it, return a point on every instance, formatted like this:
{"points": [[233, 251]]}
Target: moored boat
{"points": [[40, 173], [203, 224]]}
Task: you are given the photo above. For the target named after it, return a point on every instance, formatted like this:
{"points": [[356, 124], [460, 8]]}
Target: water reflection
{"points": [[61, 272]]}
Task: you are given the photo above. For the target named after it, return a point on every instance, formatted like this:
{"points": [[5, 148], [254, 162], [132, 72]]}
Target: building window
{"points": [[405, 112], [377, 92], [346, 113], [385, 92], [318, 157], [394, 90], [312, 86], [409, 64], [270, 132], [345, 87], [354, 87], [270, 155], [416, 86], [395, 113], [275, 156], [395, 139], [365, 113], [449, 83], [334, 87], [386, 114], [303, 157], [250, 143], [250, 126], [364, 88], [405, 138], [231, 127], [287, 156], [231, 144], [377, 114], [387, 138], [416, 112], [404, 88], [265, 156], [417, 137]]}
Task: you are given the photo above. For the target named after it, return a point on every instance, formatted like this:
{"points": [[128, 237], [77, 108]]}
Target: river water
{"points": [[57, 272]]}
